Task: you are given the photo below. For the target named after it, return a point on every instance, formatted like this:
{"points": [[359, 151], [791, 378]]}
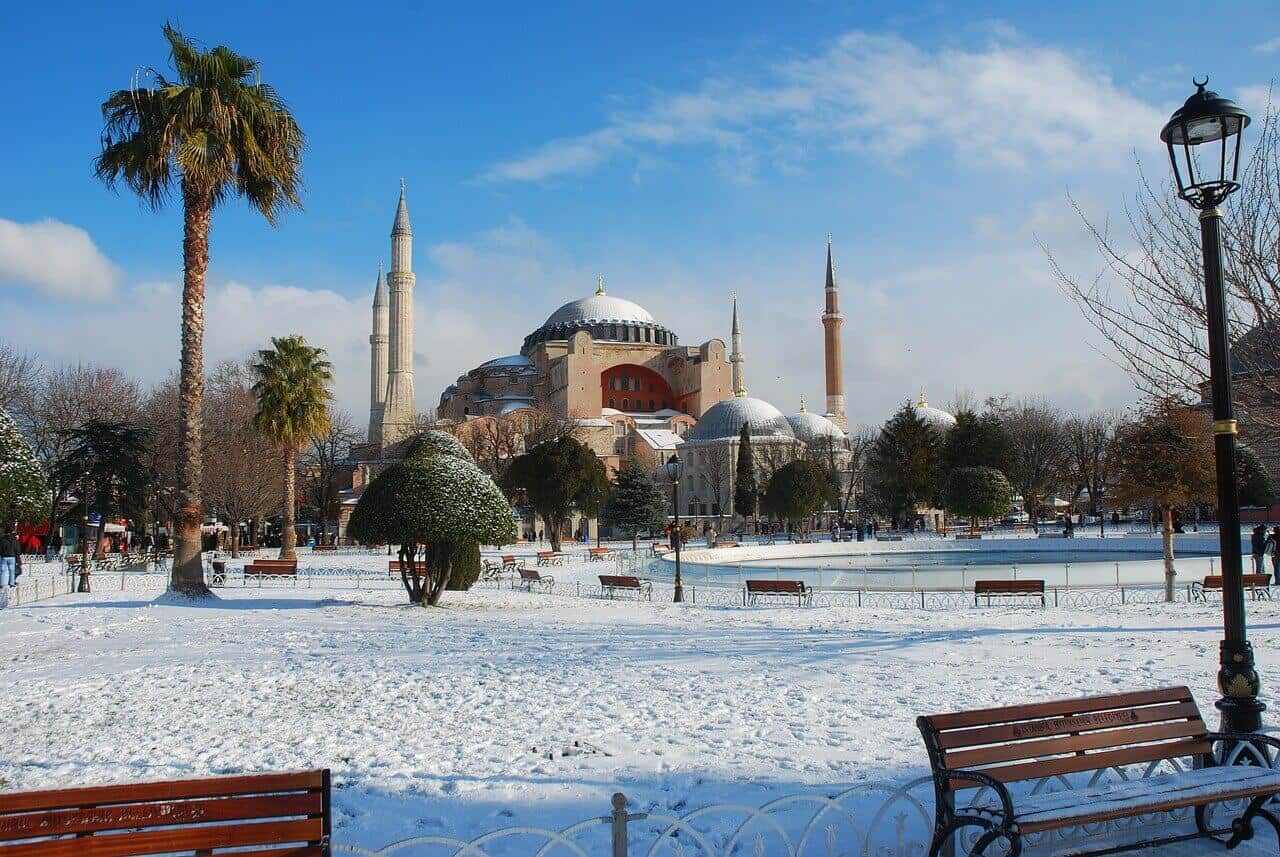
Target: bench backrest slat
{"points": [[268, 810], [794, 587], [1007, 586], [619, 580], [1214, 581], [1025, 742]]}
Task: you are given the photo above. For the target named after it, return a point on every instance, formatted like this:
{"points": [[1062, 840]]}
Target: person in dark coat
{"points": [[10, 559], [1273, 544], [1258, 545]]}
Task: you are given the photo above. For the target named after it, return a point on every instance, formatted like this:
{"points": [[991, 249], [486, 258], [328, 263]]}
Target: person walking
{"points": [[1274, 541], [1258, 545], [10, 559]]}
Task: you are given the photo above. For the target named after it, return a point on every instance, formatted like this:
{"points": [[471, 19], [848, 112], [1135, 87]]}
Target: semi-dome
{"points": [[934, 417], [1257, 350], [724, 420], [606, 318], [511, 361], [809, 427]]}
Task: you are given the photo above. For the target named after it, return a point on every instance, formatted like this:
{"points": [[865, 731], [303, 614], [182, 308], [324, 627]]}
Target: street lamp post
{"points": [[1207, 118], [673, 467]]}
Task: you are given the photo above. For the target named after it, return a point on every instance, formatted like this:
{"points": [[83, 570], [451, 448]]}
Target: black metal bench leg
{"points": [[1242, 827]]}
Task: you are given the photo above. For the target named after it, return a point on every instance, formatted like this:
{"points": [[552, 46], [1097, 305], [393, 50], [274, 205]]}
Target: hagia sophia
{"points": [[619, 376]]}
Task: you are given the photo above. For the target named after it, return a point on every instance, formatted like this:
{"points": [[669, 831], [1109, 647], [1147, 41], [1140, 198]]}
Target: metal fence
{"points": [[870, 820]]}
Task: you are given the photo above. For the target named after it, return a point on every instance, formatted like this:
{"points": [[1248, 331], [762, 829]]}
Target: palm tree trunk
{"points": [[1170, 573], [289, 536], [188, 570]]}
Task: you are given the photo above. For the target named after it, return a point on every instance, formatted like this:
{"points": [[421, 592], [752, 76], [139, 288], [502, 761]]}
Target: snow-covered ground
{"points": [[455, 721]]}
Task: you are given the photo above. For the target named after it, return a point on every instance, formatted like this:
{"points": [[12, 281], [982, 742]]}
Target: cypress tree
{"points": [[746, 492]]}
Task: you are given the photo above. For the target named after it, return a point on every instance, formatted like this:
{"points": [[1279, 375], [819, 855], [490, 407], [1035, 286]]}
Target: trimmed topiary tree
{"points": [[24, 494], [439, 507], [976, 492], [466, 567]]}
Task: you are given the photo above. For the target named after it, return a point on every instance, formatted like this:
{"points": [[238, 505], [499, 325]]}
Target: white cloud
{"points": [[1270, 46], [1009, 105], [56, 258]]}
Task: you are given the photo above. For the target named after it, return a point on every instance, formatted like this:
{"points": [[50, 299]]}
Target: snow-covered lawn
{"points": [[454, 720]]}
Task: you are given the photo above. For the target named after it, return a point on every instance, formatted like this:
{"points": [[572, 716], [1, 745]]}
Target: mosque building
{"points": [[608, 368]]}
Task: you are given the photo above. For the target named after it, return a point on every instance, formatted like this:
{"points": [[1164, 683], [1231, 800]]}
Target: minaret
{"points": [[736, 357], [832, 321], [399, 411], [378, 360]]}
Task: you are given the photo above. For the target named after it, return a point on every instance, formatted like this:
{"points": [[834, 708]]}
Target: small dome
{"points": [[599, 308], [510, 361], [809, 427], [724, 420], [934, 417]]}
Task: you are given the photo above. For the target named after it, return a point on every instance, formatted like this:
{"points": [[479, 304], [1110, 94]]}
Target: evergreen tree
{"points": [[903, 466], [556, 478], [976, 493], [800, 490], [746, 493], [977, 441], [635, 503], [1254, 483], [438, 506], [24, 494]]}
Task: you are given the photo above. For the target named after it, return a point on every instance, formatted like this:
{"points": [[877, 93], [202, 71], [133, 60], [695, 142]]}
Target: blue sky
{"points": [[684, 150]]}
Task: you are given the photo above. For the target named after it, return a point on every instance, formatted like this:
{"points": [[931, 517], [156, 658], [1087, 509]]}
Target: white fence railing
{"points": [[865, 820]]}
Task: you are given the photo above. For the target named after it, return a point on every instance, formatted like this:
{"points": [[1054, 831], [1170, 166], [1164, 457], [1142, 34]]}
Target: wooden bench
{"points": [[611, 583], [272, 568], [727, 544], [778, 588], [324, 548], [1007, 588], [658, 547], [270, 814], [531, 577], [598, 554], [1043, 744], [888, 538], [550, 558], [1258, 586]]}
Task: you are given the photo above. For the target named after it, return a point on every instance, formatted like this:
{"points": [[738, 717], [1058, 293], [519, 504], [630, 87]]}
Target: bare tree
{"points": [[323, 462], [1087, 440], [242, 473], [64, 399], [1148, 300], [19, 374], [1040, 451], [720, 463]]}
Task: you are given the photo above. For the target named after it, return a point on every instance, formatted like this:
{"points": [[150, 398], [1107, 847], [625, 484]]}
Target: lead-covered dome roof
{"points": [[810, 427], [724, 420], [606, 317], [934, 417]]}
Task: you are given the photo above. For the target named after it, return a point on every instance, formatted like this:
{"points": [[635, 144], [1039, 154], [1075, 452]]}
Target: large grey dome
{"points": [[809, 427], [606, 318], [599, 308], [724, 420]]}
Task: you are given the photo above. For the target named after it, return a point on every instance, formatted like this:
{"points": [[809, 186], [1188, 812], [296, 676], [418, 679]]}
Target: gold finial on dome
{"points": [[600, 284], [922, 403], [803, 409]]}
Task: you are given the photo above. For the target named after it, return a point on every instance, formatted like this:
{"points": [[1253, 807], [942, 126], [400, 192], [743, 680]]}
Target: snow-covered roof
{"points": [[660, 438], [725, 419], [599, 308], [809, 426]]}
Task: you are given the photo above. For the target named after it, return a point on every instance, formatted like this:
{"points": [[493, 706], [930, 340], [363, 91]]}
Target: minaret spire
{"points": [[399, 410], [736, 357], [378, 359], [832, 322]]}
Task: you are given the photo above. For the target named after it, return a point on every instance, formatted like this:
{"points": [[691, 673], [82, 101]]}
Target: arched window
{"points": [[626, 403], [651, 407], [611, 404]]}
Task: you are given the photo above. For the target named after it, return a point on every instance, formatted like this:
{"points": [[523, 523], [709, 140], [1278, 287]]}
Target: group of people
{"points": [[1263, 543]]}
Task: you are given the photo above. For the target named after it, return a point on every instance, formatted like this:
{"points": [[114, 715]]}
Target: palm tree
{"points": [[293, 405], [214, 132]]}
